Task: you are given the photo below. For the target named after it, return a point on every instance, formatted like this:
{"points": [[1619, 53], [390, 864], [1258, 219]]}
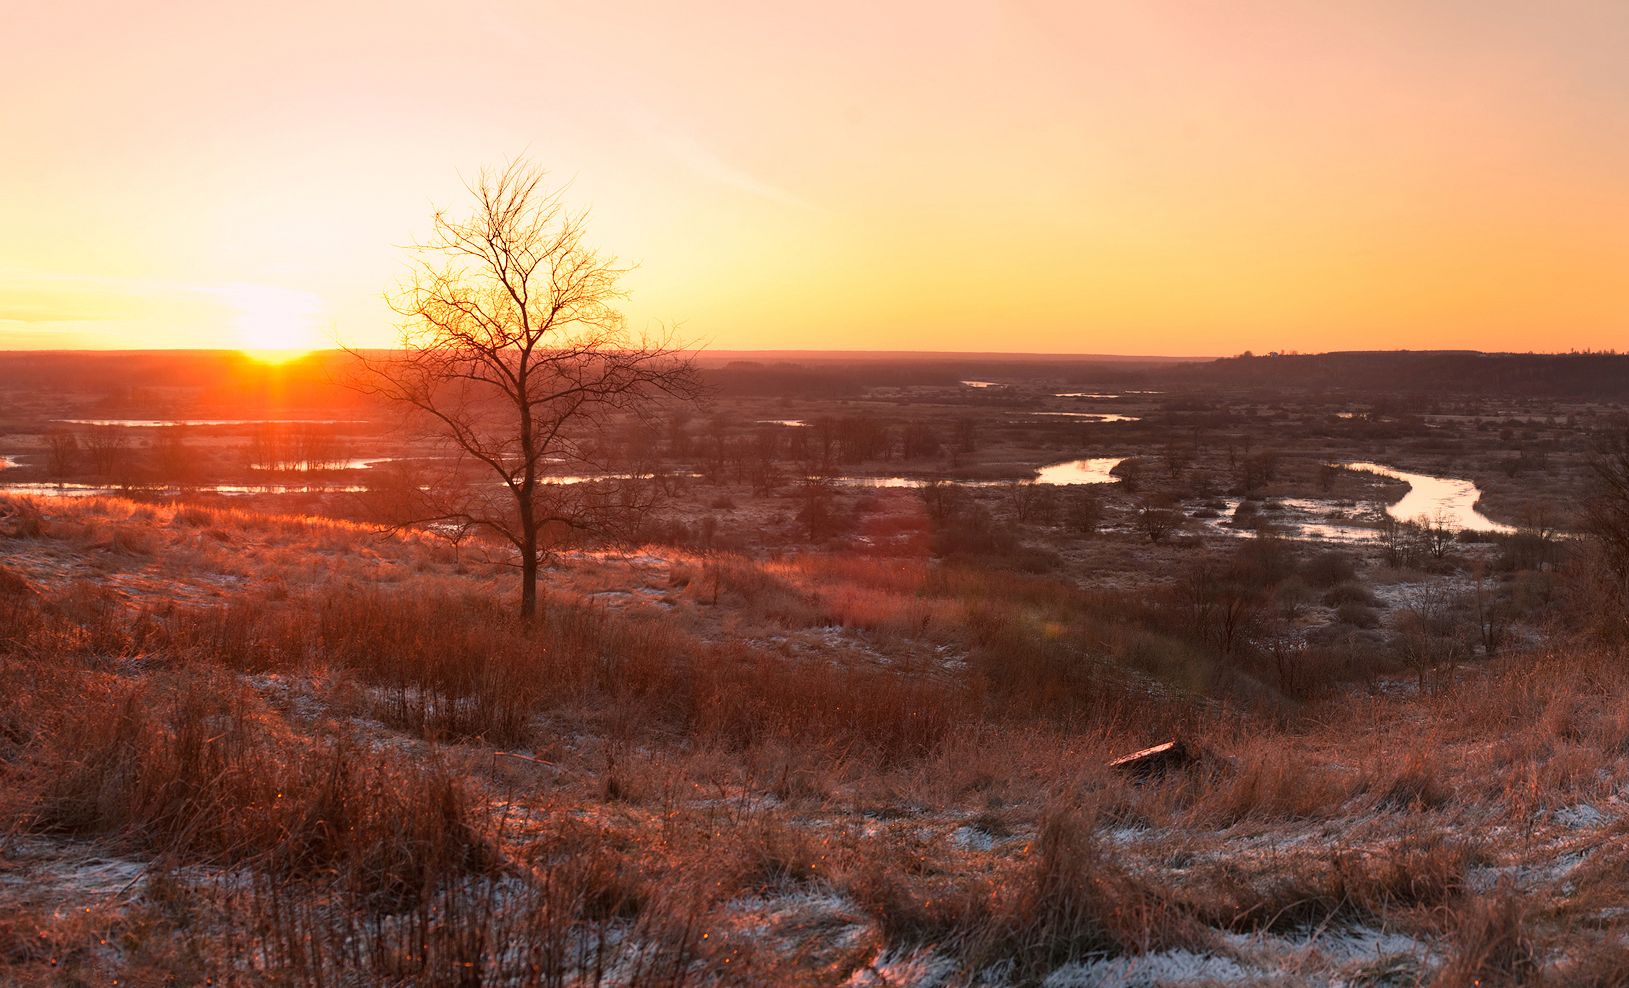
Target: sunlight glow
{"points": [[273, 324]]}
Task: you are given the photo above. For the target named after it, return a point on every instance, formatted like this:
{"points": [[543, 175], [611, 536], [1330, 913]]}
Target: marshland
{"points": [[839, 708], [1010, 493]]}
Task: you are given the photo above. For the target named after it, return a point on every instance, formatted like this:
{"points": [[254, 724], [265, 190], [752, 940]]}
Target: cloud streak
{"points": [[707, 164]]}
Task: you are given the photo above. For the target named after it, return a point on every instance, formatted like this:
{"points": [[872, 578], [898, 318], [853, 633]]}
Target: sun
{"points": [[272, 324]]}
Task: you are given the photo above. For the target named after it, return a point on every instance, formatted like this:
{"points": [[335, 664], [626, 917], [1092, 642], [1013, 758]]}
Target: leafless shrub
{"points": [[1157, 522]]}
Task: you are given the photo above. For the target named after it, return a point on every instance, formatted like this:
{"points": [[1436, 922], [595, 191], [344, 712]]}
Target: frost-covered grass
{"points": [[266, 749]]}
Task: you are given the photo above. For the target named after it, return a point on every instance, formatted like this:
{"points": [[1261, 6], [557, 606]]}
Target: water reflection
{"points": [[1095, 470], [1095, 416], [1303, 518], [202, 423], [1435, 499], [303, 467], [1070, 473], [67, 489], [103, 490]]}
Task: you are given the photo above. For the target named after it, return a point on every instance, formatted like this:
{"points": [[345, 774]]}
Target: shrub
{"points": [[1357, 615], [1350, 593], [1329, 568]]}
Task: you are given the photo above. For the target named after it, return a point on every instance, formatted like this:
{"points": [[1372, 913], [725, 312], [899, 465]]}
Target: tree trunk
{"points": [[528, 582]]}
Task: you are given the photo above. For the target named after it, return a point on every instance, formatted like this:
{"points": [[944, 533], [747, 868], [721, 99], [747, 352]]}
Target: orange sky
{"points": [[1150, 177]]}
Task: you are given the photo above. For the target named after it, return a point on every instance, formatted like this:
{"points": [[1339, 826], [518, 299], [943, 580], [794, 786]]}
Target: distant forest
{"points": [[803, 377], [146, 378], [1554, 375], [158, 382]]}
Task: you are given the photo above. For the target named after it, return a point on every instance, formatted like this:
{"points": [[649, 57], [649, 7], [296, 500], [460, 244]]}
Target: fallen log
{"points": [[1158, 760]]}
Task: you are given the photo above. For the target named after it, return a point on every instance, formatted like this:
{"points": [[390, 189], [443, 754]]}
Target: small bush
{"points": [[1329, 568], [1350, 593], [1357, 615]]}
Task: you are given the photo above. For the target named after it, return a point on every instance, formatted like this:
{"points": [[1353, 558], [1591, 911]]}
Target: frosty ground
{"points": [[270, 749]]}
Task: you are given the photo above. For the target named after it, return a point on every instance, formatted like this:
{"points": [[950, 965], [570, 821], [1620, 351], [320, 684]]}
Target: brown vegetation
{"points": [[797, 770]]}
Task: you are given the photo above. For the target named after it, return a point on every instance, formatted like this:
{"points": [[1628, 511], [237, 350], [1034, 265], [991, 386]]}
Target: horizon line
{"points": [[789, 352]]}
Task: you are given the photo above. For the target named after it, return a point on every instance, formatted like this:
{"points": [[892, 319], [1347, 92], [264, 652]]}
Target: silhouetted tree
{"points": [[1084, 513], [1607, 512], [1158, 522], [1023, 495], [1439, 534], [61, 451], [919, 441], [514, 352], [106, 445], [177, 461]]}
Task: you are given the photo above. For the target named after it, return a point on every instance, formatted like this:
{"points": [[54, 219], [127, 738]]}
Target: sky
{"points": [[1158, 177]]}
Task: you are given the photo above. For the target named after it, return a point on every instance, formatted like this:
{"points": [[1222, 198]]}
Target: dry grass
{"points": [[841, 761]]}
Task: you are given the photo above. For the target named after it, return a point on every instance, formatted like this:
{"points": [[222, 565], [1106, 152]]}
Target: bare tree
{"points": [[1439, 532], [266, 447], [1084, 513], [176, 460], [1158, 522], [1607, 511], [1023, 495], [1223, 605], [61, 451], [107, 445], [1398, 539], [515, 354]]}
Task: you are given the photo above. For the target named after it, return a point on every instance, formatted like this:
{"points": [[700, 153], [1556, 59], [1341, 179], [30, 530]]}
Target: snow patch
{"points": [[972, 839], [1168, 967], [892, 969], [1580, 816]]}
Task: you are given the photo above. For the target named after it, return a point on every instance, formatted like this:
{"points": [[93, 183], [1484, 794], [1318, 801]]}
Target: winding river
{"points": [[1432, 499], [1429, 498], [1069, 473]]}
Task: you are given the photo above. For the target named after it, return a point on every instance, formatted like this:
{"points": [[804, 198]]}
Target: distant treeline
{"points": [[836, 377], [1558, 375], [196, 380], [147, 382]]}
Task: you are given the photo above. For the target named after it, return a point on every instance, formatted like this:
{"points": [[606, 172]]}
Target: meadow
{"points": [[824, 769], [829, 733]]}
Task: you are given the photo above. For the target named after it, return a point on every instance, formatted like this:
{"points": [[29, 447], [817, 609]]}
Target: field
{"points": [[840, 709]]}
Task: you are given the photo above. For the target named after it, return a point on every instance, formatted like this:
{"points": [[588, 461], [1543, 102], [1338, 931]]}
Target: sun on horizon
{"points": [[272, 325]]}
